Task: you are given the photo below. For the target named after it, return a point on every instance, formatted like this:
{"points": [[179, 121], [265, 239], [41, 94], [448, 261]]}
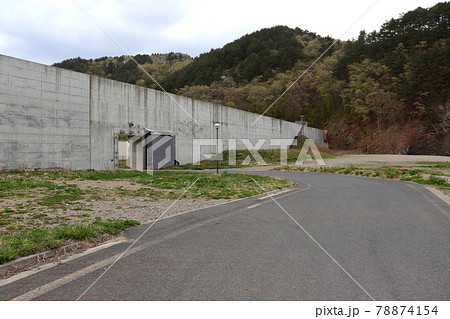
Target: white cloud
{"points": [[218, 22]]}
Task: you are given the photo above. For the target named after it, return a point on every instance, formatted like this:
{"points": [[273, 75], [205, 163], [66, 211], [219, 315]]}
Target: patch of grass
{"points": [[390, 173], [103, 175], [21, 212], [5, 222], [13, 183], [63, 195], [77, 232], [13, 180], [413, 175], [28, 242], [115, 226], [7, 210], [270, 157], [162, 184], [435, 164], [213, 186], [412, 172], [437, 182]]}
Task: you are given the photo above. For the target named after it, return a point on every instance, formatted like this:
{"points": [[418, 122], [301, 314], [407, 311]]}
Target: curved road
{"points": [[333, 237]]}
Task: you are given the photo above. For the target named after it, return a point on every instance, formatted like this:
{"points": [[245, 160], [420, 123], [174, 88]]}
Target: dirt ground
{"points": [[108, 203]]}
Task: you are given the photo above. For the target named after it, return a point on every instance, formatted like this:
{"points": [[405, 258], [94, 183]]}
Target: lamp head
{"points": [[217, 125]]}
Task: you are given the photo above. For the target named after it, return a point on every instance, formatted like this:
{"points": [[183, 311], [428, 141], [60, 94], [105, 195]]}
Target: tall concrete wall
{"points": [[44, 116], [317, 135], [50, 117]]}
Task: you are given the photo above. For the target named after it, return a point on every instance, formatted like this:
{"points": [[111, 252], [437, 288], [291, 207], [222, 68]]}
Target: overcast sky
{"points": [[49, 31]]}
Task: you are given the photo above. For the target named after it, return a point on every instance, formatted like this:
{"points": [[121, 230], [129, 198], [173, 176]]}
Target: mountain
{"points": [[263, 53], [124, 69]]}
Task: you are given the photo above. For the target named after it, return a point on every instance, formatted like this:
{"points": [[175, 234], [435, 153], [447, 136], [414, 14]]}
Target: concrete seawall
{"points": [[317, 135], [51, 117]]}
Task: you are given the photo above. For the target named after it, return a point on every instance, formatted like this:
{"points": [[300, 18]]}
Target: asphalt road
{"points": [[333, 237]]}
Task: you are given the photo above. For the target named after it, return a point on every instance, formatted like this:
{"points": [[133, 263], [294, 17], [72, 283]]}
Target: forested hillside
{"points": [[124, 69], [387, 91], [263, 53]]}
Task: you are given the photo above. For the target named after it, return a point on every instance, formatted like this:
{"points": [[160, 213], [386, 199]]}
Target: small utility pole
{"points": [[217, 125]]}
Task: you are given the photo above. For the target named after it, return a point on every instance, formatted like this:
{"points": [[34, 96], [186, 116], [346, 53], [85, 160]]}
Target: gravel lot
{"points": [[108, 205]]}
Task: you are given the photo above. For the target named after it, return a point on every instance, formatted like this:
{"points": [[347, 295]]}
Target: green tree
{"points": [[371, 93]]}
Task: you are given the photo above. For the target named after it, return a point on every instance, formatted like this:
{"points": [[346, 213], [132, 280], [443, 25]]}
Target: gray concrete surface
{"points": [[390, 237], [44, 116], [317, 135], [51, 117]]}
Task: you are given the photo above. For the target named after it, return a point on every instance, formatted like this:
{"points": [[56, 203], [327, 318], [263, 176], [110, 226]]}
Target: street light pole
{"points": [[217, 125]]}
